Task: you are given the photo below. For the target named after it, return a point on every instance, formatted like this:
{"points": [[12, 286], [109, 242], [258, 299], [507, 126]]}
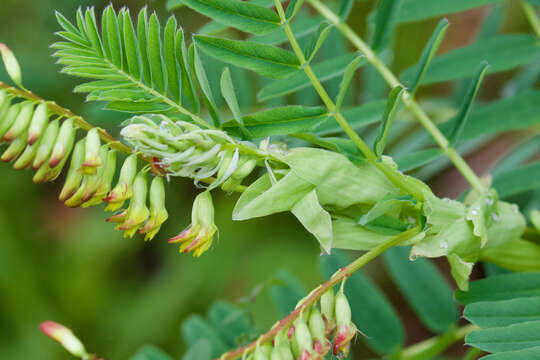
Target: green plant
{"points": [[307, 160]]}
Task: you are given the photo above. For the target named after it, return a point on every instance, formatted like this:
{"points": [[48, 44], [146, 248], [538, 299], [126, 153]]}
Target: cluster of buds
{"points": [[35, 139], [183, 149], [318, 331], [197, 238]]}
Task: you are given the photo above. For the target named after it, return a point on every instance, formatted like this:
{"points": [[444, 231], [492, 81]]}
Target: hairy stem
{"points": [[532, 16], [312, 298], [332, 109], [430, 348], [409, 101]]}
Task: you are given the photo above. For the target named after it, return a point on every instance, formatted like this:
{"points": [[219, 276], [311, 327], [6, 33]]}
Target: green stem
{"points": [[532, 16], [430, 348], [472, 354], [332, 109], [409, 101], [312, 298]]}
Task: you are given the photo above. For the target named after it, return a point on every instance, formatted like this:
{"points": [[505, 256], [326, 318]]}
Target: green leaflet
{"points": [[317, 40], [501, 287], [390, 112], [195, 328], [326, 70], [424, 288], [349, 235], [286, 292], [461, 119], [509, 338], [169, 52], [346, 81], [529, 353], [227, 90], [514, 255], [415, 10], [518, 180], [385, 20], [339, 183], [489, 314], [502, 53], [242, 15], [155, 55], [419, 158], [266, 60], [280, 121], [371, 311], [315, 219], [428, 53], [341, 145], [150, 352], [292, 8], [262, 198], [197, 69], [304, 25], [461, 270], [390, 203], [230, 321]]}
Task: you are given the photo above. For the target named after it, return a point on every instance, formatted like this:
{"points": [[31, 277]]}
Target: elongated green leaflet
{"points": [[242, 15], [169, 53], [292, 8], [347, 78], [465, 109], [428, 53], [392, 108], [317, 40], [266, 60], [200, 74], [227, 90], [385, 21]]}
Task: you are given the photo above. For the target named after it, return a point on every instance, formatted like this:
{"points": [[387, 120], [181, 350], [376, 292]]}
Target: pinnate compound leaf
{"points": [[424, 288], [392, 108], [150, 352], [201, 350], [280, 121], [230, 321], [464, 111], [428, 53], [242, 15], [371, 311], [266, 60], [326, 70], [503, 52], [416, 10]]}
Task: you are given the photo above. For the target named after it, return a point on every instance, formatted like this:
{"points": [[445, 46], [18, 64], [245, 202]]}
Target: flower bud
{"points": [[328, 310], [14, 149], [66, 136], [92, 185], [263, 352], [46, 144], [346, 330], [5, 104], [158, 212], [38, 123], [282, 347], [198, 236], [124, 188], [137, 212], [65, 337], [107, 175], [239, 175], [302, 340], [91, 158], [21, 122], [46, 173], [9, 119], [317, 327], [26, 158], [73, 177]]}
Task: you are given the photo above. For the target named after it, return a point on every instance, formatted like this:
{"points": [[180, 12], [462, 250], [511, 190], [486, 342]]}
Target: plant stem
{"points": [[332, 109], [472, 354], [409, 101], [430, 348], [312, 298], [532, 16]]}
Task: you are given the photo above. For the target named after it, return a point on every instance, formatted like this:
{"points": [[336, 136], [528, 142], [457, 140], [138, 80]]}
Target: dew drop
{"points": [[413, 257], [474, 212], [495, 217], [515, 208], [446, 200], [489, 200], [444, 245]]}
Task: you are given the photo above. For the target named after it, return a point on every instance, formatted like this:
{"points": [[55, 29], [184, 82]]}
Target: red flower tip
{"points": [[290, 332]]}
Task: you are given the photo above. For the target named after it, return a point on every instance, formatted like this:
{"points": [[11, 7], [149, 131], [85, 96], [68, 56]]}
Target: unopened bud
{"points": [[158, 212], [137, 212], [14, 149], [343, 308], [346, 330], [74, 176], [263, 352], [64, 337], [317, 326], [124, 188], [91, 159], [9, 119], [239, 175], [328, 310], [104, 187], [198, 236], [66, 136], [21, 122], [38, 123], [5, 104], [46, 144], [302, 340], [94, 180], [26, 158]]}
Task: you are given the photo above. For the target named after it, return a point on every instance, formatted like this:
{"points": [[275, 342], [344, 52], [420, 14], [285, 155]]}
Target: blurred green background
{"points": [[117, 294]]}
